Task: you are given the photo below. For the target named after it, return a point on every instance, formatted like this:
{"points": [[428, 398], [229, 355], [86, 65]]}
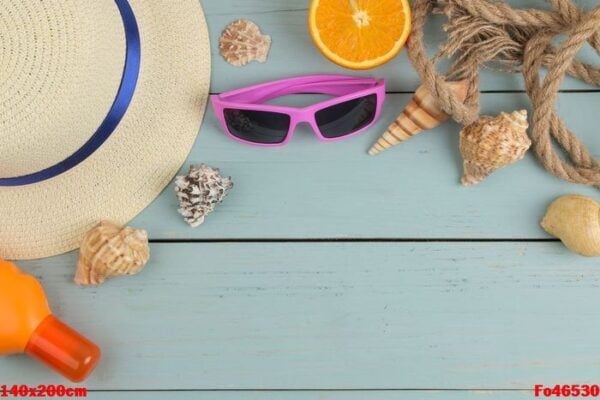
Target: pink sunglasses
{"points": [[355, 108]]}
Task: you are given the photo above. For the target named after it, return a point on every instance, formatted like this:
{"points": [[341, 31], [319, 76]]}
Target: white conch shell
{"points": [[575, 220], [111, 250], [422, 112], [242, 42], [491, 143]]}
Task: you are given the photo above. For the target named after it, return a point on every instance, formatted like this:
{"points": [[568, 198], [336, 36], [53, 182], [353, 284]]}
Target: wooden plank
{"points": [[293, 52], [317, 395], [335, 316], [310, 189]]}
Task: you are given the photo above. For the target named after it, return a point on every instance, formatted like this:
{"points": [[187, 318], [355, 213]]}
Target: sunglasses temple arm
{"points": [[336, 88]]}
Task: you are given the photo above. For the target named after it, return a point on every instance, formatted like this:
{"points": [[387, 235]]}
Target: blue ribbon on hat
{"points": [[115, 114]]}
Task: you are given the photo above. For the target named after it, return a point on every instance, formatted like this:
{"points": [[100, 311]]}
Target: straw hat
{"points": [[100, 104]]}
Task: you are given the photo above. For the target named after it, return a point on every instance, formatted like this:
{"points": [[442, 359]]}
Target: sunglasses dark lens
{"points": [[257, 126], [347, 117]]}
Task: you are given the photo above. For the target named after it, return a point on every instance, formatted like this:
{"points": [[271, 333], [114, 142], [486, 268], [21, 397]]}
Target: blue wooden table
{"points": [[329, 274]]}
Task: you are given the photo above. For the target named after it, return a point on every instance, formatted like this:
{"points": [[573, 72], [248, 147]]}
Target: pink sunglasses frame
{"points": [[344, 87]]}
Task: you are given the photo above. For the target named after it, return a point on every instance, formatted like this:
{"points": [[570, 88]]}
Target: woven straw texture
{"points": [[61, 63]]}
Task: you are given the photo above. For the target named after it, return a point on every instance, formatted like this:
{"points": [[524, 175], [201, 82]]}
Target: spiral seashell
{"points": [[110, 250], [200, 191], [491, 143], [575, 220], [242, 42], [422, 112]]}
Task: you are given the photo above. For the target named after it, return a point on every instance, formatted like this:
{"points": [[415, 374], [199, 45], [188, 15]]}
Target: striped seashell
{"points": [[422, 112], [242, 42], [110, 250]]}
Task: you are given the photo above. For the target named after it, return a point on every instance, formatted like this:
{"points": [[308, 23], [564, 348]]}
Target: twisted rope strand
{"points": [[492, 34]]}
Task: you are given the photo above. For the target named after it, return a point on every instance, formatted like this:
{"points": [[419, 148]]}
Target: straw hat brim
{"points": [[141, 156]]}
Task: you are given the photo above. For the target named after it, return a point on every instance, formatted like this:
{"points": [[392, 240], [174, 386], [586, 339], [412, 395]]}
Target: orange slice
{"points": [[359, 34]]}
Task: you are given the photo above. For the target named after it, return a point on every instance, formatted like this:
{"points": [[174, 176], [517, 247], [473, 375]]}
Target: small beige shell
{"points": [[575, 220], [111, 250], [491, 143], [242, 42], [422, 112]]}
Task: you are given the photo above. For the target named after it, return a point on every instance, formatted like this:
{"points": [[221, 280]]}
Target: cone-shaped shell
{"points": [[491, 143], [111, 250], [422, 112], [575, 220]]}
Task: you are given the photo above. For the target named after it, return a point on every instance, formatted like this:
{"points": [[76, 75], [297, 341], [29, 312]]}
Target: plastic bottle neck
{"points": [[64, 350]]}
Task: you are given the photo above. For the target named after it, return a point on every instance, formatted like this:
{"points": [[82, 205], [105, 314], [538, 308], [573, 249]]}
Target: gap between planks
{"points": [[306, 390], [482, 91], [360, 240]]}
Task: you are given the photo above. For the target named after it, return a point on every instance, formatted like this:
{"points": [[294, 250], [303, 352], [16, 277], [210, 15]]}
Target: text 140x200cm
{"points": [[54, 391]]}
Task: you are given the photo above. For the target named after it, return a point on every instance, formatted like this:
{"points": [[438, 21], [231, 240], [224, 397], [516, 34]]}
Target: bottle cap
{"points": [[63, 349]]}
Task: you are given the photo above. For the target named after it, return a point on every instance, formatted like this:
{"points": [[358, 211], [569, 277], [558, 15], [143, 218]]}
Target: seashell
{"points": [[491, 143], [422, 112], [200, 191], [575, 220], [242, 42], [111, 250]]}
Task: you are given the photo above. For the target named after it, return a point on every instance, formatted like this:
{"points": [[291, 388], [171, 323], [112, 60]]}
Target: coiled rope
{"points": [[492, 34]]}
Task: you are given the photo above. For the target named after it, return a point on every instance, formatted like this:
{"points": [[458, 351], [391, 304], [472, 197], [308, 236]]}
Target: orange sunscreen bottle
{"points": [[28, 326]]}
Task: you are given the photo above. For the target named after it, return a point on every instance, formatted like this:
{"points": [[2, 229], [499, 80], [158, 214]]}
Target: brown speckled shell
{"points": [[242, 42], [111, 250], [491, 143]]}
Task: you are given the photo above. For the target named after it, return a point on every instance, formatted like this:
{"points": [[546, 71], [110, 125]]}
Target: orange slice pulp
{"points": [[359, 34]]}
